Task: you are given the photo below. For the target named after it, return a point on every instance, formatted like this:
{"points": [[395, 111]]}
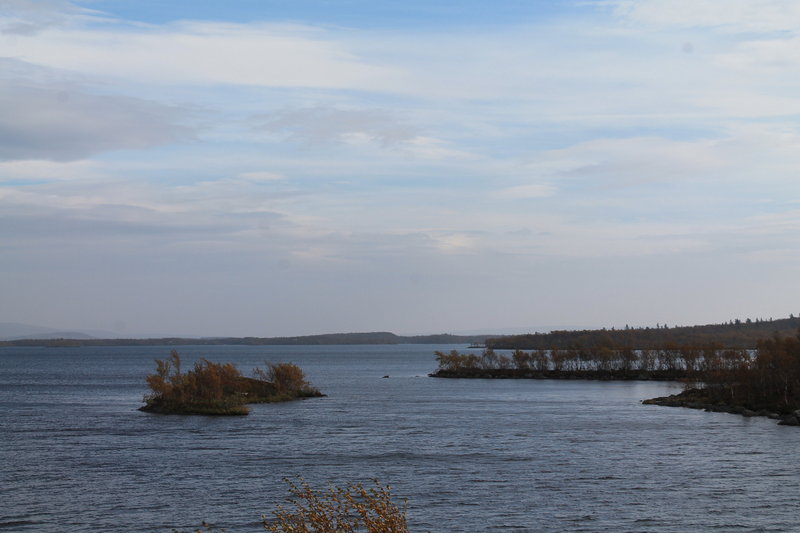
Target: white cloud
{"points": [[537, 190], [28, 17], [262, 176], [769, 153], [40, 170], [452, 243], [630, 161], [204, 53], [63, 122], [765, 56], [729, 15], [428, 147], [327, 124]]}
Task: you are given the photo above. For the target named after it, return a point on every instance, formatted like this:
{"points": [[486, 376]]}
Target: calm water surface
{"points": [[469, 455]]}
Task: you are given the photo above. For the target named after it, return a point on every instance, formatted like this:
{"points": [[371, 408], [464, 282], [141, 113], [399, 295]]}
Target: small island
{"points": [[220, 389]]}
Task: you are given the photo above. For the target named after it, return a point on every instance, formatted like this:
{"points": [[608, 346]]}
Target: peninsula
{"points": [[762, 380]]}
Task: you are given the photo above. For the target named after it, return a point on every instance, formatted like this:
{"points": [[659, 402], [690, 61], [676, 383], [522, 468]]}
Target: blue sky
{"points": [[285, 168], [346, 13]]}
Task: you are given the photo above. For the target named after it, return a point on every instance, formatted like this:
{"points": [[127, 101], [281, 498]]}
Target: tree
{"points": [[521, 359]]}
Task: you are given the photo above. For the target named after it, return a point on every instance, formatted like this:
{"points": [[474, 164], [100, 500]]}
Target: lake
{"points": [[469, 455]]}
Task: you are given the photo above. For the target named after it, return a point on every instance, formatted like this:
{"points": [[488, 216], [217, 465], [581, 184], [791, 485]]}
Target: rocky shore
{"points": [[701, 399]]}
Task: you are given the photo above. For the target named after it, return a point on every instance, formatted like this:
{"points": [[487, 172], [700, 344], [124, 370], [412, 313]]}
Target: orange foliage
{"points": [[286, 377], [349, 509]]}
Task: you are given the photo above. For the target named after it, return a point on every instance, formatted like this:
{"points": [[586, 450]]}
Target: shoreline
{"points": [[690, 398], [700, 399]]}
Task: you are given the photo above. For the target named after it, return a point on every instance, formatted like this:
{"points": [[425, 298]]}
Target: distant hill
{"points": [[378, 337], [734, 334]]}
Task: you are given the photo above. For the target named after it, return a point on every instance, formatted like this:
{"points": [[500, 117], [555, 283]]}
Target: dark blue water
{"points": [[469, 455]]}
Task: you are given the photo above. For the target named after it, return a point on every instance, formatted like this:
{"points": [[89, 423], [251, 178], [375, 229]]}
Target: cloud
{"points": [[63, 122], [630, 161], [28, 17], [120, 215], [451, 242], [22, 171], [727, 15], [319, 125], [771, 57], [741, 154], [262, 176], [432, 148], [536, 190], [271, 55], [528, 74]]}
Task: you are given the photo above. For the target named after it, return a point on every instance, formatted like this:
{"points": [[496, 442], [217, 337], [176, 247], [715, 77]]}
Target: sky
{"points": [[271, 168]]}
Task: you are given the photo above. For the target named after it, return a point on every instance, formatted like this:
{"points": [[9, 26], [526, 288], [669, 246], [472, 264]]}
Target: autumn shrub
{"points": [[286, 377], [349, 509], [353, 508]]}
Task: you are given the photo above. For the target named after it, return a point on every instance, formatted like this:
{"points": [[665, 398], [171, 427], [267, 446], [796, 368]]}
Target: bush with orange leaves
{"points": [[349, 509], [286, 377]]}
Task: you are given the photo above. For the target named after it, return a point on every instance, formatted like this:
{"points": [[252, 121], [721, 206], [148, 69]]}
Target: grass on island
{"points": [[220, 389]]}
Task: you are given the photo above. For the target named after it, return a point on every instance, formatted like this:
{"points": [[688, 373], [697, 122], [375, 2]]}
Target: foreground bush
{"points": [[350, 509], [220, 389]]}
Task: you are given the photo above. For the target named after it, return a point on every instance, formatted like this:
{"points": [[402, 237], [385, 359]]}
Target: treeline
{"points": [[742, 334], [606, 361], [379, 337], [219, 388]]}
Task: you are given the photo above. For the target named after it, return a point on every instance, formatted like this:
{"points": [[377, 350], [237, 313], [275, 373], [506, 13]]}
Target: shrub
{"points": [[349, 509], [285, 377]]}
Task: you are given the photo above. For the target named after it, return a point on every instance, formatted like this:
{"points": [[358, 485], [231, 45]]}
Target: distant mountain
{"points": [[377, 337]]}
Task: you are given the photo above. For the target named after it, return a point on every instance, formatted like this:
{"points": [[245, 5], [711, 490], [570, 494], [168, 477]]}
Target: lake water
{"points": [[469, 455]]}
